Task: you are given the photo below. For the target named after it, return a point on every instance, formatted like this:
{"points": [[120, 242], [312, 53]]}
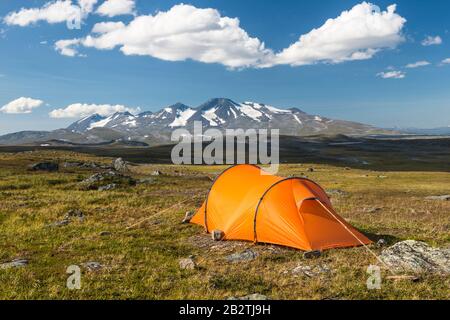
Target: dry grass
{"points": [[142, 263]]}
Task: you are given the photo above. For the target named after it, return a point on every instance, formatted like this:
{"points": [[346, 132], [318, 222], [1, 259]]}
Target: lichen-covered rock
{"points": [[187, 264], [106, 179], [17, 263], [417, 257], [246, 255], [120, 165], [311, 272]]}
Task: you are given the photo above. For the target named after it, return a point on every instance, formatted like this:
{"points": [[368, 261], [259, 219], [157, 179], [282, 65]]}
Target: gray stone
{"points": [[312, 254], [336, 192], [418, 257], [120, 165], [60, 223], [108, 187], [105, 234], [217, 235], [17, 263], [156, 173], [188, 216], [74, 213], [381, 243], [187, 264], [311, 272], [246, 255], [45, 166], [250, 297], [93, 266], [439, 198], [146, 181]]}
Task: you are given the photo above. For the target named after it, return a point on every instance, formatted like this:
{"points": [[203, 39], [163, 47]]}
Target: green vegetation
{"points": [[142, 262]]}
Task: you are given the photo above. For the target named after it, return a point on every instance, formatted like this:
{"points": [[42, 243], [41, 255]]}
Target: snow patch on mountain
{"points": [[182, 118], [250, 111]]}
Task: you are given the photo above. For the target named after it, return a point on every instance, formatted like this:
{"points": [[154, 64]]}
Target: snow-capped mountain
{"points": [[219, 113]]}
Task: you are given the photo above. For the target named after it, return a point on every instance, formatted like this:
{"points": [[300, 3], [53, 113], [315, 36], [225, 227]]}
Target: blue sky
{"points": [[378, 90]]}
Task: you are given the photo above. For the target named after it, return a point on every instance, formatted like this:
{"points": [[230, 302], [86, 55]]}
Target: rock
{"points": [[336, 192], [120, 165], [108, 187], [312, 254], [382, 177], [310, 170], [17, 263], [45, 166], [146, 181], [187, 264], [93, 266], [372, 209], [246, 255], [347, 168], [107, 180], [381, 243], [74, 213], [188, 216], [105, 234], [251, 297], [418, 257], [439, 198], [311, 272], [156, 173], [72, 164], [217, 235]]}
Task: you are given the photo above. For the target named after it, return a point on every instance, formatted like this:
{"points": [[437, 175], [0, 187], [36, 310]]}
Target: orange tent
{"points": [[248, 204]]}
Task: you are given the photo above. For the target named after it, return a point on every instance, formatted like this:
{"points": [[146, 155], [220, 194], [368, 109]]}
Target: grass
{"points": [[142, 263]]}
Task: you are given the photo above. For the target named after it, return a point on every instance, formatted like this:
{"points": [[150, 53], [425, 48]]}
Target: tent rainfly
{"points": [[248, 204]]}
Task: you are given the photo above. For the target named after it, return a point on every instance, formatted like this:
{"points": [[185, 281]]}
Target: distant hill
{"points": [[156, 127], [443, 131]]}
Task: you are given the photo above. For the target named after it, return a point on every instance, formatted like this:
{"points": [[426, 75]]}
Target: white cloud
{"points": [[78, 110], [52, 12], [112, 8], [21, 105], [446, 61], [392, 75], [432, 41], [356, 34], [181, 33], [418, 64], [66, 47]]}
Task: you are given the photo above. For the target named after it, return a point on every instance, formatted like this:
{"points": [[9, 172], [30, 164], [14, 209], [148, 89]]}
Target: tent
{"points": [[248, 204]]}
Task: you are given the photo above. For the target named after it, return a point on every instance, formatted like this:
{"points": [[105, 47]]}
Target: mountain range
{"points": [[151, 128]]}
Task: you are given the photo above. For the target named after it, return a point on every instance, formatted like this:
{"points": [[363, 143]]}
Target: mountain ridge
{"points": [[220, 113]]}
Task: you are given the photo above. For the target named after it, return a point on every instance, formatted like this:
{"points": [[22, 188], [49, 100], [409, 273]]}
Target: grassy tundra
{"points": [[142, 262]]}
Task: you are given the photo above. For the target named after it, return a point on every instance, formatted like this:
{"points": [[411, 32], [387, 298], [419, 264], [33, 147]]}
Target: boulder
{"points": [[74, 213], [439, 198], [45, 166], [417, 257], [246, 255], [120, 165], [217, 235], [187, 264], [17, 263]]}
